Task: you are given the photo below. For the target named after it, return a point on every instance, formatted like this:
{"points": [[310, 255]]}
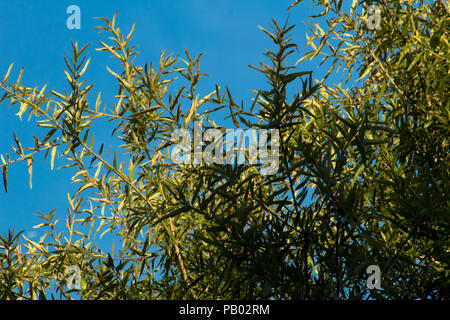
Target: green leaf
{"points": [[5, 178], [85, 67], [23, 109], [368, 69], [30, 171], [6, 77], [53, 154], [19, 146], [435, 38]]}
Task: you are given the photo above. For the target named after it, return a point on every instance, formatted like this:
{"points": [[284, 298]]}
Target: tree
{"points": [[362, 178]]}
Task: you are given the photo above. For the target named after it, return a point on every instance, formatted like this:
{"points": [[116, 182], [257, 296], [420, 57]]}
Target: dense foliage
{"points": [[362, 180]]}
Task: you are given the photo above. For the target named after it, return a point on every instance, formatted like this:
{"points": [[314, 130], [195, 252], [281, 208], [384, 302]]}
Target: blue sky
{"points": [[33, 34]]}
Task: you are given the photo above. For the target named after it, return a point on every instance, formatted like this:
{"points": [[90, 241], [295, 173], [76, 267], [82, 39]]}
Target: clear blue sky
{"points": [[33, 34]]}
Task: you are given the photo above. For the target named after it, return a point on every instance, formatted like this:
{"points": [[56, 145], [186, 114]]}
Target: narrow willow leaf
{"points": [[69, 78], [59, 95], [5, 79], [368, 69], [98, 170], [19, 146], [130, 34], [52, 161], [85, 67], [30, 171], [19, 79], [23, 109], [5, 178]]}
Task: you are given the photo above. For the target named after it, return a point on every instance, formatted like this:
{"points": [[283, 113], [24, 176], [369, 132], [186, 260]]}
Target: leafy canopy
{"points": [[363, 176]]}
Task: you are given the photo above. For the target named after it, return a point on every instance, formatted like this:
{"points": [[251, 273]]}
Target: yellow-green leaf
{"points": [[53, 157], [23, 108], [30, 171], [7, 73]]}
